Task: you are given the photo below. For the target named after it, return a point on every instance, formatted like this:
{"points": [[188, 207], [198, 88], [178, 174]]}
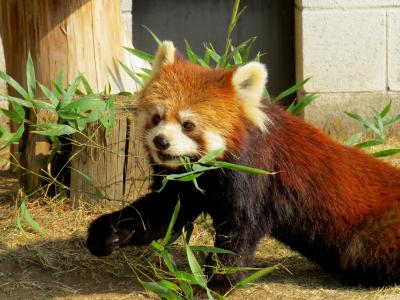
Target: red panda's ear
{"points": [[249, 82], [165, 55]]}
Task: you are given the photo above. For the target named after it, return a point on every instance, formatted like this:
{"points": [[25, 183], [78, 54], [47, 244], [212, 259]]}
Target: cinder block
{"points": [[394, 50], [126, 5], [346, 4], [327, 112], [344, 51]]}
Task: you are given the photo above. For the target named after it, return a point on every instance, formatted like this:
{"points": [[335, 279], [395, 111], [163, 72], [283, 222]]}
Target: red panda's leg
{"points": [[242, 241], [139, 223]]}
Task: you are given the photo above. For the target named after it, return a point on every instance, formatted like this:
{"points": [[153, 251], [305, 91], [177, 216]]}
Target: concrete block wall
{"points": [[351, 49]]}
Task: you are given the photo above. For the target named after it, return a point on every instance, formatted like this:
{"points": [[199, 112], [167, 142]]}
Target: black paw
{"points": [[104, 236]]}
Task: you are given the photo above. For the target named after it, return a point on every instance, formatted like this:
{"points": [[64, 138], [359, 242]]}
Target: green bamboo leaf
{"points": [[132, 74], [211, 156], [20, 101], [195, 267], [58, 85], [158, 41], [214, 55], [159, 290], [12, 116], [391, 120], [87, 86], [210, 249], [387, 152], [387, 109], [226, 165], [49, 94], [169, 262], [88, 103], [171, 223], [44, 105], [141, 54], [10, 138], [354, 139], [186, 277], [70, 93], [15, 85], [369, 143], [256, 275], [18, 222], [291, 90], [30, 77], [29, 218], [299, 106], [193, 57], [70, 115], [379, 124], [54, 129], [364, 122], [170, 285]]}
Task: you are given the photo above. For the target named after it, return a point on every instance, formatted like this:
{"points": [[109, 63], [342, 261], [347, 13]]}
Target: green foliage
{"points": [[204, 164], [381, 120], [23, 215], [180, 284], [232, 57], [73, 114]]}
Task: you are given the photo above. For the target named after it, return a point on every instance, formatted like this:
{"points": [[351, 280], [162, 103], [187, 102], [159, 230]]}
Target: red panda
{"points": [[334, 204]]}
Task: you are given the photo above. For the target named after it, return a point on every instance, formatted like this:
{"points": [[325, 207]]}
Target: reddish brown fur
{"points": [[334, 204], [206, 92]]}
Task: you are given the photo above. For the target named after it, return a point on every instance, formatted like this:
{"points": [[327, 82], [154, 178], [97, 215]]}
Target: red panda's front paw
{"points": [[104, 236]]}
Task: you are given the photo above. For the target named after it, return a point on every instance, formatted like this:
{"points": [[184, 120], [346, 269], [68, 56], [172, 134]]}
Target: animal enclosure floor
{"points": [[58, 266]]}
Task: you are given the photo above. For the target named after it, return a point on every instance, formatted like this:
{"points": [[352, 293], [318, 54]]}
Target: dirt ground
{"points": [[58, 266]]}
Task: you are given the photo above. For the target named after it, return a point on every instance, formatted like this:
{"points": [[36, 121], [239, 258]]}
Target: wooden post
{"points": [[74, 36], [113, 162]]}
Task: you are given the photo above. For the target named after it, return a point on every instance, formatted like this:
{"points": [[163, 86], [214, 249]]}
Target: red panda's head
{"points": [[189, 110]]}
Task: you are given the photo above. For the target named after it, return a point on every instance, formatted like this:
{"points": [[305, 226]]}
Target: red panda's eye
{"points": [[188, 126], [156, 119]]}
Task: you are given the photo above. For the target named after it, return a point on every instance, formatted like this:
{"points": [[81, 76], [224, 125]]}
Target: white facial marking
{"points": [[214, 141], [179, 143]]}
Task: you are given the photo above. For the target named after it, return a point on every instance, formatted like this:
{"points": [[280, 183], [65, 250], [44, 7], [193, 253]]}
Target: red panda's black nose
{"points": [[161, 142]]}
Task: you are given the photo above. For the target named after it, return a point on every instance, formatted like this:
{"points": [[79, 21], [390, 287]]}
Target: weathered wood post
{"points": [[76, 36]]}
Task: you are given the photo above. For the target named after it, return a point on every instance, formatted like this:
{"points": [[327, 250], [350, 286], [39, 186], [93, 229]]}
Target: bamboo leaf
{"points": [[158, 41], [291, 90], [369, 143], [49, 94], [70, 93], [299, 106], [132, 74], [211, 156], [54, 129], [44, 105], [354, 139], [141, 54], [387, 109], [29, 218], [256, 275], [12, 116], [87, 86], [30, 77], [171, 223], [159, 290], [387, 152], [15, 85], [210, 249], [364, 122], [195, 267], [227, 165]]}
